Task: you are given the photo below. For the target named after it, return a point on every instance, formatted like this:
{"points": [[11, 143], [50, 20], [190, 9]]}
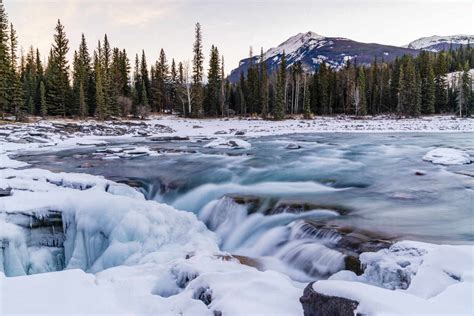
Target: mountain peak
{"points": [[436, 43], [291, 45]]}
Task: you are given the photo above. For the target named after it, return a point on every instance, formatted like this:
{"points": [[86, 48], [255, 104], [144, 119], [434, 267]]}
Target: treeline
{"points": [[409, 86], [101, 84]]}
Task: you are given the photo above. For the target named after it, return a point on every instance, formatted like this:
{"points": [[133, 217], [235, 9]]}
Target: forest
{"points": [[102, 84]]}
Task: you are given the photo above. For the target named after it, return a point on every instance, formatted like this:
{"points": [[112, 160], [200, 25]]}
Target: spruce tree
{"points": [[306, 98], [42, 98], [361, 89], [198, 64], [17, 105], [263, 85], [101, 110], [214, 83], [58, 90], [280, 105], [4, 61], [464, 92], [441, 93]]}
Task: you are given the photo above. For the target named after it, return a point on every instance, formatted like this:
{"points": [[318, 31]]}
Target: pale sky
{"points": [[232, 25]]}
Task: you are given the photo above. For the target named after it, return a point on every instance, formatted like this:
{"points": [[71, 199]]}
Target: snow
{"points": [[294, 43], [234, 143], [6, 162], [426, 42], [423, 279], [98, 246], [447, 156]]}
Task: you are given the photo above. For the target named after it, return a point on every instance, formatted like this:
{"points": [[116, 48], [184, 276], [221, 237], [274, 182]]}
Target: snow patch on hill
{"points": [[430, 42]]}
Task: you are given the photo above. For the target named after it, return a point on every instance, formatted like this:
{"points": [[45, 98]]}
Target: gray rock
{"points": [[317, 304], [220, 133], [293, 146], [5, 192]]}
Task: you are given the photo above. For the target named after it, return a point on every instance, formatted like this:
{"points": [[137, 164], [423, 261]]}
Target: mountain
{"points": [[438, 43], [312, 49]]}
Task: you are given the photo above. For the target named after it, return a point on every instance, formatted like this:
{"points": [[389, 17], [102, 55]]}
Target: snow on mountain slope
{"points": [[312, 49], [437, 43]]}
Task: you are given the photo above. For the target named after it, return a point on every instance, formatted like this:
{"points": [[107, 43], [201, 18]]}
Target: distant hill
{"points": [[438, 43]]}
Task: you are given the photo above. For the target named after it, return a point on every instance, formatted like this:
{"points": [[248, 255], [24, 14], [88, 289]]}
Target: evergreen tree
{"points": [[101, 110], [464, 92], [43, 104], [441, 93], [58, 90], [361, 108], [82, 73], [4, 61], [306, 99], [263, 85], [280, 105], [16, 91], [198, 62], [174, 81], [214, 83]]}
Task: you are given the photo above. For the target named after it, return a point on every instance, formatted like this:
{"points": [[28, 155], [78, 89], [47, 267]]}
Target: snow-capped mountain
{"points": [[312, 49], [438, 43]]}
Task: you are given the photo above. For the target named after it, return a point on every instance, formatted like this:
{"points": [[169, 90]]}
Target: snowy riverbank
{"points": [[145, 258]]}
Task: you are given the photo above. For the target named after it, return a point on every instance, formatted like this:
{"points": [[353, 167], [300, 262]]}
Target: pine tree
{"points": [[306, 99], [263, 85], [441, 94], [42, 98], [280, 105], [101, 110], [214, 83], [4, 61], [198, 62], [361, 96], [82, 73], [58, 90], [464, 92], [17, 105]]}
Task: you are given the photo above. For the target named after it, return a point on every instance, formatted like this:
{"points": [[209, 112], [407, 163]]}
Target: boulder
{"points": [[293, 146], [316, 304]]}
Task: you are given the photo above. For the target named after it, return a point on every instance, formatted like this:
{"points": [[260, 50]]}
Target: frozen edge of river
{"points": [[225, 286]]}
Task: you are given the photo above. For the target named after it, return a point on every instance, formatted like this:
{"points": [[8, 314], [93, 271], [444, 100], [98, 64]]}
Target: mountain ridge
{"points": [[312, 49]]}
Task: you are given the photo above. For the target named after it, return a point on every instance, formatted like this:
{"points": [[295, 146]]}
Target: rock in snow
{"points": [[447, 156]]}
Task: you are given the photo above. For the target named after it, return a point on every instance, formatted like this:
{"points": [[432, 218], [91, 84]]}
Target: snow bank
{"points": [[447, 156], [409, 278]]}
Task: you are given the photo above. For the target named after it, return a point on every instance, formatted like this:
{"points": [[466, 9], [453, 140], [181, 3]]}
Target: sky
{"points": [[232, 25]]}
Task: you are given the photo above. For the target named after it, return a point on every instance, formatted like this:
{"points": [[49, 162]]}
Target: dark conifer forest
{"points": [[104, 82]]}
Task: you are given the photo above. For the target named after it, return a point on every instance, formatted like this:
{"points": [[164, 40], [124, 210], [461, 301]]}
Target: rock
{"points": [[419, 173], [5, 192], [167, 138], [239, 133], [316, 304], [353, 264], [197, 126], [220, 133], [86, 165], [293, 146]]}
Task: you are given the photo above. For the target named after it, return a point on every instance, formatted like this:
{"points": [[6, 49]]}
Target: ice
{"points": [[447, 156], [6, 162], [409, 278]]}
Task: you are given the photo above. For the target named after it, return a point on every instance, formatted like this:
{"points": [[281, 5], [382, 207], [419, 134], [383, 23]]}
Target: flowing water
{"points": [[300, 211]]}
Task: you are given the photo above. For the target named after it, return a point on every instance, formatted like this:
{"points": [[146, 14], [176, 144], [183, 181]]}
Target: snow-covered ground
{"points": [[81, 244]]}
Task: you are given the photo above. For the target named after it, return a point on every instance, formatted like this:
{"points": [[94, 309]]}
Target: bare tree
{"points": [[185, 91]]}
